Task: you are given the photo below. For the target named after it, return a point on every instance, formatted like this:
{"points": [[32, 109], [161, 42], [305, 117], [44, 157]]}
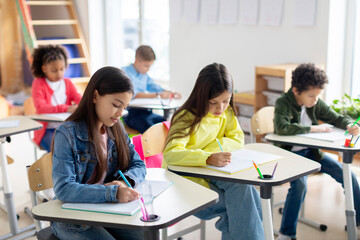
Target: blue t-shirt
{"points": [[141, 82]]}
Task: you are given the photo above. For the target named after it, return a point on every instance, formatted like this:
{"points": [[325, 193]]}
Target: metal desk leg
{"points": [[9, 197], [349, 198], [152, 235], [265, 194]]}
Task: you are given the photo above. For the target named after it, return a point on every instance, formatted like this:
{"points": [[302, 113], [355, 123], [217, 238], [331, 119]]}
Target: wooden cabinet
{"points": [[244, 102], [270, 82]]}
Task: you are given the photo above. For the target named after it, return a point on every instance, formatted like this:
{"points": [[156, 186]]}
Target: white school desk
{"points": [[348, 154], [50, 117], [25, 125], [182, 199], [155, 103], [290, 167]]}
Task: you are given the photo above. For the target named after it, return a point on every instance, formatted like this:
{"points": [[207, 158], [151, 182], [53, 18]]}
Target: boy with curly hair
{"points": [[298, 111]]}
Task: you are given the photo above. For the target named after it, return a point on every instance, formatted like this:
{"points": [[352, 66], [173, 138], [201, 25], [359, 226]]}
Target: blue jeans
{"points": [[141, 120], [46, 141], [298, 188], [81, 232], [239, 209]]}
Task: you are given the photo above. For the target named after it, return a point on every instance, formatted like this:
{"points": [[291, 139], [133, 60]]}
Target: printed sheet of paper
{"points": [[242, 160], [228, 11]]}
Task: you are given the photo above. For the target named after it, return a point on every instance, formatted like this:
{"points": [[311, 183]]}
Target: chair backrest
{"points": [[39, 174], [151, 143], [153, 139], [29, 108], [262, 121], [4, 107]]}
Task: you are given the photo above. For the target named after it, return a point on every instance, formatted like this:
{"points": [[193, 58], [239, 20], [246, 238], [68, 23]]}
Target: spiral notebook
{"points": [[129, 208]]}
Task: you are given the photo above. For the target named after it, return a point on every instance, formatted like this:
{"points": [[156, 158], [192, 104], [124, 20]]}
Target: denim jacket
{"points": [[74, 161]]}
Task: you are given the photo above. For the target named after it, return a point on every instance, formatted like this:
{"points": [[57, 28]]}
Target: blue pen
{"points": [[219, 144], [141, 201]]}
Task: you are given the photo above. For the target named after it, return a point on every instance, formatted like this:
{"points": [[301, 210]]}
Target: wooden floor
{"points": [[324, 201]]}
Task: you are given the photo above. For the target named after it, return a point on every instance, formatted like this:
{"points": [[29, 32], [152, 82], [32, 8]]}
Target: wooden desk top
{"points": [[182, 199], [312, 143], [290, 167], [26, 124]]}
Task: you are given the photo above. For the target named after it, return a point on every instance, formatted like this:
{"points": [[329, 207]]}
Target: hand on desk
{"points": [[124, 194], [127, 194], [72, 108], [353, 130], [169, 94], [219, 159], [320, 128]]}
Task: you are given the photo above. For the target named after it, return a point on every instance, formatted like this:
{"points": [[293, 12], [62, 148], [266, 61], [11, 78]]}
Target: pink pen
{"points": [[146, 213]]}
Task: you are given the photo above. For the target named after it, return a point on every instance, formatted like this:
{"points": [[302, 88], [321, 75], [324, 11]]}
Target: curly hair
{"points": [[44, 55], [307, 76]]}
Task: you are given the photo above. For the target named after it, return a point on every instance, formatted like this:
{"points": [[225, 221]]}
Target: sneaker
{"points": [[283, 237]]}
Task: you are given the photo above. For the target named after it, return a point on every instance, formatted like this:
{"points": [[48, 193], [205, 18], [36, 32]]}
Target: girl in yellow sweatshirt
{"points": [[208, 114]]}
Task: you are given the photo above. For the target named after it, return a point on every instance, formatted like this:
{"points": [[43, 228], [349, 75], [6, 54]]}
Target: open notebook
{"points": [[242, 160], [121, 208], [336, 134]]}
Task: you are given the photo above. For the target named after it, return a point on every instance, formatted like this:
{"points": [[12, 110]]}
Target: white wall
{"points": [[241, 48]]}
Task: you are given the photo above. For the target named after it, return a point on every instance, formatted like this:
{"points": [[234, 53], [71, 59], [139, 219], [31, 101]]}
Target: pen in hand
{"points": [[347, 131], [141, 200]]}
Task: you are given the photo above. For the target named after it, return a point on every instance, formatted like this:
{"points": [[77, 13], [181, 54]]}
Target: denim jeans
{"points": [[239, 209], [81, 232], [141, 120], [298, 188], [46, 141]]}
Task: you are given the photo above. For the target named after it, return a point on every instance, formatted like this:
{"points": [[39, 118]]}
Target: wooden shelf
{"points": [[281, 71], [245, 98]]}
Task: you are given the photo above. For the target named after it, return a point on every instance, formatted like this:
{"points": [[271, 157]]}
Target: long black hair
{"points": [[106, 80], [212, 81]]}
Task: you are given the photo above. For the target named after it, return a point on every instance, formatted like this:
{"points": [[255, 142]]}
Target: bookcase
{"points": [[270, 82]]}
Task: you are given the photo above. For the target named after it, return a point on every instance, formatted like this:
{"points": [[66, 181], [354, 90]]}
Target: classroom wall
{"points": [[241, 47]]}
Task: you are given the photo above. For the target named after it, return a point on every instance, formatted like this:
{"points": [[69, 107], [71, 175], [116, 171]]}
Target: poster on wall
{"points": [[209, 11], [271, 12], [191, 11], [249, 10], [228, 11], [304, 12], [176, 9]]}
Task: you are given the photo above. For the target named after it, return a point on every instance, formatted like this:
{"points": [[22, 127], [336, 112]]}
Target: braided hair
{"points": [[44, 55]]}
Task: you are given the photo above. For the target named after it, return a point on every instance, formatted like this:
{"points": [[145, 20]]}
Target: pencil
{"points": [[219, 144], [272, 175], [353, 124], [141, 200], [258, 170]]}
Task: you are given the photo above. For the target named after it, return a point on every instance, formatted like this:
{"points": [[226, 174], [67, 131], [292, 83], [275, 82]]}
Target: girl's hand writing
{"points": [[127, 194], [219, 159]]}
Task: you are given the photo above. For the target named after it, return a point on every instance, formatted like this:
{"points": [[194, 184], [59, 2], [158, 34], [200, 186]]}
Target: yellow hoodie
{"points": [[194, 149]]}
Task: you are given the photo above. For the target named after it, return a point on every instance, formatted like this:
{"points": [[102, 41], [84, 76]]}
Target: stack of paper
{"points": [[242, 160], [120, 208]]}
